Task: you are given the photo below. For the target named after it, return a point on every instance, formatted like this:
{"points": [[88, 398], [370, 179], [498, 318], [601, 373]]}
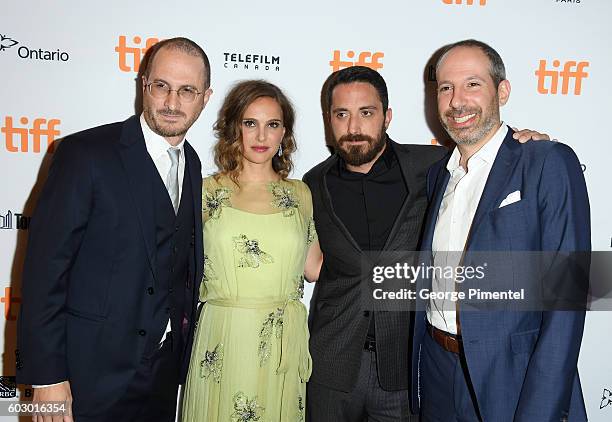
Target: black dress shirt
{"points": [[368, 204]]}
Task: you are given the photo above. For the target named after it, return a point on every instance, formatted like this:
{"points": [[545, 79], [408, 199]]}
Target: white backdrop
{"points": [[73, 64]]}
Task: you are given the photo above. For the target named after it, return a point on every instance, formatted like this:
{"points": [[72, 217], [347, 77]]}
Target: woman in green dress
{"points": [[250, 359]]}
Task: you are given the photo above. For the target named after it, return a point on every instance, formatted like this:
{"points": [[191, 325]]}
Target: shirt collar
{"points": [[486, 154], [156, 144]]}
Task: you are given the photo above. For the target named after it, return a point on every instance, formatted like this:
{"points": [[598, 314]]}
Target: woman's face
{"points": [[262, 130]]}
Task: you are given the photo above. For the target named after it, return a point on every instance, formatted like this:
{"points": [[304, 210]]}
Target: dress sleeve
{"points": [[207, 194], [307, 212]]}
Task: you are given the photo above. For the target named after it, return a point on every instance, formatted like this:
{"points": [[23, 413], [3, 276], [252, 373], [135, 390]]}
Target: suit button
{"points": [[366, 314], [176, 228], [142, 333], [150, 290], [175, 249]]}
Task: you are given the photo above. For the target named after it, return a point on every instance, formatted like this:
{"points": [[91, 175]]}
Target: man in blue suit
{"points": [[115, 255], [494, 194]]}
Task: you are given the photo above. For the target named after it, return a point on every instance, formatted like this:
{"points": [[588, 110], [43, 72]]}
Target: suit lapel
{"points": [[196, 188], [406, 164], [505, 161], [441, 181], [329, 206], [136, 162]]}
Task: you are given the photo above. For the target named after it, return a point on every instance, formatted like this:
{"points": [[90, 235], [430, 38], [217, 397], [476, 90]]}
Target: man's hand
{"points": [[55, 393], [525, 135]]}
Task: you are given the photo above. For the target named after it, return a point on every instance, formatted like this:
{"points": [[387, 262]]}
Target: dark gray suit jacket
{"points": [[338, 321]]}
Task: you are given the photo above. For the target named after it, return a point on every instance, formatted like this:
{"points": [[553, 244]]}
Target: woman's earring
{"points": [[280, 150]]}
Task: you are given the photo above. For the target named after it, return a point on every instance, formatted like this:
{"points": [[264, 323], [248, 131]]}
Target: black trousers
{"points": [[152, 394], [368, 402]]}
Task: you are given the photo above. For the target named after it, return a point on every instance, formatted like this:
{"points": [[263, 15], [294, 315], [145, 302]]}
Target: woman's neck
{"points": [[252, 172]]}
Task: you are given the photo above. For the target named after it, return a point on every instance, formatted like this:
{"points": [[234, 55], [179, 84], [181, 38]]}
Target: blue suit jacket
{"points": [[523, 364]]}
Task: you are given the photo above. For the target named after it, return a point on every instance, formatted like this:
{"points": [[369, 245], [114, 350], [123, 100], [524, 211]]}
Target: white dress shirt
{"points": [[455, 216], [157, 147]]}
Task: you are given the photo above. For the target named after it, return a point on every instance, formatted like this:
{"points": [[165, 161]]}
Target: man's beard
{"points": [[357, 155], [167, 130], [473, 135]]}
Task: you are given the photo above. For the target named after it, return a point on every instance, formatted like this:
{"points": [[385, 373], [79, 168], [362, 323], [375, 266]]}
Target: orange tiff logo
{"points": [[571, 70], [130, 56], [9, 301], [365, 58], [468, 2], [27, 136]]}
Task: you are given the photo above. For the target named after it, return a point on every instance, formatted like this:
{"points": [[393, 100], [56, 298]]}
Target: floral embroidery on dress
{"points": [[245, 409], [298, 292], [252, 255], [209, 272], [214, 202], [283, 198], [212, 364], [273, 324], [300, 415], [311, 231]]}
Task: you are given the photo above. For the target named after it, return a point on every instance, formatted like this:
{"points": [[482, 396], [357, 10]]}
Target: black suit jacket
{"points": [[86, 308], [338, 322]]}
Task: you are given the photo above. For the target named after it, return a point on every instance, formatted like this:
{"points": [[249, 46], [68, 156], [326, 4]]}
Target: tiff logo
{"points": [[40, 127], [8, 301], [468, 2], [571, 70], [366, 58], [134, 53]]}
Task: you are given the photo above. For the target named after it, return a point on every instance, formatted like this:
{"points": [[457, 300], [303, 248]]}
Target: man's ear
{"points": [[388, 117], [503, 92]]}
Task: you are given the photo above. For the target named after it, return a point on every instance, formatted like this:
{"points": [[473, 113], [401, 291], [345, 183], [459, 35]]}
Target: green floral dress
{"points": [[250, 359]]}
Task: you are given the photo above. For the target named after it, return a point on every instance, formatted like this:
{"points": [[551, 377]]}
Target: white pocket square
{"points": [[511, 198]]}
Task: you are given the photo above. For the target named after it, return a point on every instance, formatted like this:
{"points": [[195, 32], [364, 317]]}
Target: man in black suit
{"points": [[370, 195], [115, 255]]}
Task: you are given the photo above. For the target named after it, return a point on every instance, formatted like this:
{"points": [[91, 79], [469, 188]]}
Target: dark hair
{"points": [[497, 70], [356, 74], [184, 45], [228, 149]]}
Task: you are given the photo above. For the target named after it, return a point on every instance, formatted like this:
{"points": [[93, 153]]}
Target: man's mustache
{"points": [[458, 112], [171, 113], [355, 138]]}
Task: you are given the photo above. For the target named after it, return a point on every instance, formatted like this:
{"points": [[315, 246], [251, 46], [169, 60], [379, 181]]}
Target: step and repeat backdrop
{"points": [[69, 65]]}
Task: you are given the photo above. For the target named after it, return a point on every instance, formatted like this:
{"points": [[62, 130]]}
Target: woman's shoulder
{"points": [[215, 181], [298, 185], [302, 191]]}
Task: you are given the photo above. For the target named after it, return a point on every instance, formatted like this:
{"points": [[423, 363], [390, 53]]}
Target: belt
{"points": [[294, 336], [448, 342], [369, 345]]}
